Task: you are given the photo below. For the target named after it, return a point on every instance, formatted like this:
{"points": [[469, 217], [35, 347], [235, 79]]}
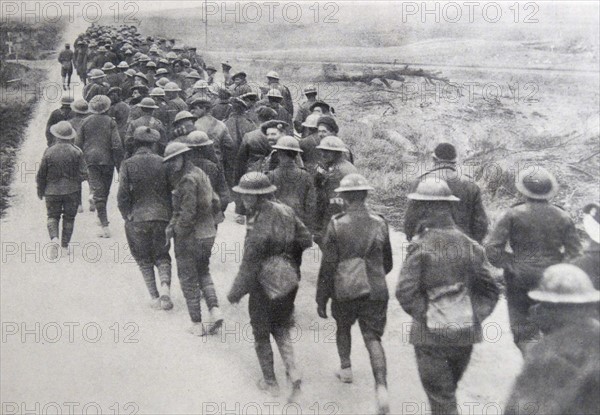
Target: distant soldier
{"points": [[273, 247], [540, 235], [273, 83], [227, 79], [469, 213], [357, 255], [311, 155], [238, 123], [162, 112], [274, 100], [119, 111], [147, 119], [240, 84], [561, 373], [174, 101], [222, 107], [589, 261], [193, 229], [303, 112], [112, 77], [80, 111], [138, 93], [96, 86], [448, 299], [103, 152], [210, 74], [295, 186], [59, 181], [144, 201], [335, 168], [217, 132], [65, 57], [80, 60], [183, 124], [63, 113]]}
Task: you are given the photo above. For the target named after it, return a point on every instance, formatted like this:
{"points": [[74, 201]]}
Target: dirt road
{"points": [[78, 335]]}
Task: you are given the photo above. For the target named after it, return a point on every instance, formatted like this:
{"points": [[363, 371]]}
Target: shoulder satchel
{"points": [[278, 277], [449, 309], [350, 280]]}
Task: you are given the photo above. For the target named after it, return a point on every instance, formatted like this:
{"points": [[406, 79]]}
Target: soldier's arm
{"points": [[329, 263], [388, 259], [228, 154], [310, 204], [41, 177], [250, 267], [188, 205], [411, 219], [222, 189], [242, 160], [409, 293], [123, 196], [303, 237], [484, 290], [495, 246], [571, 241], [479, 219], [117, 145]]}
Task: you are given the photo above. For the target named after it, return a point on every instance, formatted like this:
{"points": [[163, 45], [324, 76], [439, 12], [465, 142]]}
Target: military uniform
{"points": [[92, 89], [146, 121], [144, 201], [303, 112], [59, 114], [222, 141], [540, 235]]}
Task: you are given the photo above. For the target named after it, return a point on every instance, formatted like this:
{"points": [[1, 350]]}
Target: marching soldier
{"points": [[193, 229], [540, 235], [357, 255], [96, 86], [119, 110], [64, 113], [65, 58], [336, 167], [147, 106], [103, 151], [447, 299], [59, 181], [273, 83], [273, 247], [144, 201], [469, 213], [240, 84], [303, 112]]}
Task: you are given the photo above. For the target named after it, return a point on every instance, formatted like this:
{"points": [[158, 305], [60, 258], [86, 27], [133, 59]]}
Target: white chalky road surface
{"points": [[78, 335]]}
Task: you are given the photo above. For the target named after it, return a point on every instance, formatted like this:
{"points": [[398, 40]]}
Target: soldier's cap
{"points": [[591, 221], [321, 104], [114, 90], [150, 64], [272, 75], [237, 101], [332, 143], [147, 102], [535, 182], [96, 73], [123, 65], [174, 149], [274, 93], [108, 66], [143, 89], [162, 82], [311, 121], [195, 139], [280, 125], [63, 130], [142, 76], [240, 74], [146, 134], [226, 65], [162, 71], [211, 68], [266, 113], [184, 115], [66, 100], [329, 122], [157, 92], [434, 190], [255, 183], [445, 152], [288, 143], [353, 182], [193, 75], [203, 102], [311, 89], [565, 284], [172, 87], [249, 94], [80, 106], [130, 72], [99, 104]]}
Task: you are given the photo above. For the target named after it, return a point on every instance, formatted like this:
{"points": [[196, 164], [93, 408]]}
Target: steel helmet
{"points": [[123, 65], [96, 73], [147, 102], [332, 143], [273, 75], [174, 149], [196, 139], [99, 104], [150, 64], [66, 100], [353, 182], [288, 143], [311, 89], [171, 55], [565, 283], [434, 190], [536, 182], [193, 75], [184, 115], [254, 183], [172, 87], [201, 84], [274, 93], [63, 130], [108, 66], [80, 106], [130, 72], [162, 82], [162, 71], [311, 121], [157, 92]]}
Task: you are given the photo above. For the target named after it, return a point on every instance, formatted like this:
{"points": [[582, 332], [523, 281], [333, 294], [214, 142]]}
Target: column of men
{"points": [[186, 146]]}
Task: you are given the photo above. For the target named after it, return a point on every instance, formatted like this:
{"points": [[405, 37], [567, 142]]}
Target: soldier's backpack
{"points": [[449, 309]]}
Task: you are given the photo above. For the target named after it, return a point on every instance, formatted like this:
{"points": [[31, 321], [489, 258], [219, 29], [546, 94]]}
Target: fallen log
{"points": [[331, 73]]}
